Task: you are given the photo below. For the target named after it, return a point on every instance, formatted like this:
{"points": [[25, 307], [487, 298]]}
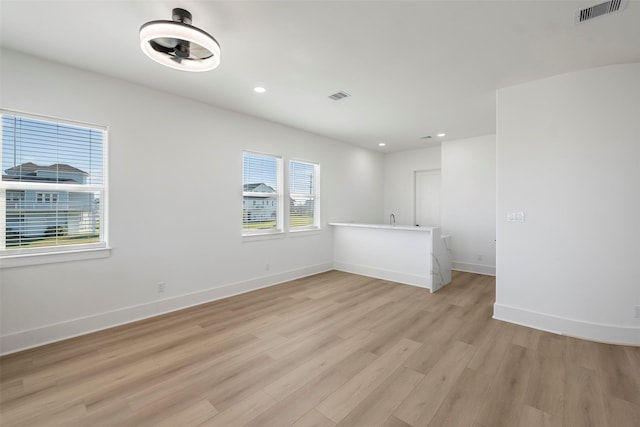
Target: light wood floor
{"points": [[329, 350]]}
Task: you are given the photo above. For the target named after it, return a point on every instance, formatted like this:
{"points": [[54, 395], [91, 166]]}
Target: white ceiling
{"points": [[413, 68]]}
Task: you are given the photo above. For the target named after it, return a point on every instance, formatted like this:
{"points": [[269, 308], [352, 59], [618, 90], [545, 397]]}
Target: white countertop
{"points": [[383, 226]]}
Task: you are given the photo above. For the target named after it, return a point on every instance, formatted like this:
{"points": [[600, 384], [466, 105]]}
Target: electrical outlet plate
{"points": [[515, 216], [636, 311]]}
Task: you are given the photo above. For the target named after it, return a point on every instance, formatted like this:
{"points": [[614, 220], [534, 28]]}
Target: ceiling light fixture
{"points": [[381, 144], [178, 44], [259, 89], [442, 134]]}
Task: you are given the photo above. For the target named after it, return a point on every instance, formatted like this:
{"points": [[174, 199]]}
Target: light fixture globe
{"points": [[178, 44]]}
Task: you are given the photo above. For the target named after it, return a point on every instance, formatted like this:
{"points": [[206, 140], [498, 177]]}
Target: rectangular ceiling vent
{"points": [[339, 95], [601, 9]]}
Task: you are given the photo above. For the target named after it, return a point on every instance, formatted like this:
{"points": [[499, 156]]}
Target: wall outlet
{"points": [[480, 257], [515, 216], [267, 267], [636, 311], [161, 287]]}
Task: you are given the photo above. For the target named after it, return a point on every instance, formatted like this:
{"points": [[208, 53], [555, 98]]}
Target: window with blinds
{"points": [[304, 206], [261, 193], [53, 188]]}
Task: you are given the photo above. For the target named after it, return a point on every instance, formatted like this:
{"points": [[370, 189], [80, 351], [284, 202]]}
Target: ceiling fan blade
{"points": [[160, 48]]}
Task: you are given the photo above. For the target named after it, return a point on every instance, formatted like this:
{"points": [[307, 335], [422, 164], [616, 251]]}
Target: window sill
{"points": [[24, 260], [305, 231], [263, 236]]}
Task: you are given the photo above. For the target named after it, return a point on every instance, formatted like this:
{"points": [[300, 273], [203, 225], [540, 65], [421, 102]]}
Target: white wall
{"points": [[469, 202], [468, 196], [568, 152], [175, 206]]}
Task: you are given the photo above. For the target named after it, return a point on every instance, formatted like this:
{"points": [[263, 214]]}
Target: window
{"points": [[46, 197], [53, 188], [304, 206], [15, 196], [261, 193]]}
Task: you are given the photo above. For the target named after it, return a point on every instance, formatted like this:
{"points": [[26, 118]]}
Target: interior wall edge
{"points": [[599, 332], [467, 267], [24, 340]]}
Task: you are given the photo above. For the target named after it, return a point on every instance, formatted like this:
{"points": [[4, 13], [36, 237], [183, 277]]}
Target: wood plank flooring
{"points": [[334, 349]]}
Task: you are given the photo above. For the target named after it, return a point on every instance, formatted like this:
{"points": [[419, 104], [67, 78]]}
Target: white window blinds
{"points": [[261, 193], [303, 195], [53, 188]]}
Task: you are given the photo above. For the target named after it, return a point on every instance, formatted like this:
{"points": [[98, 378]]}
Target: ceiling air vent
{"points": [[599, 10], [339, 95]]}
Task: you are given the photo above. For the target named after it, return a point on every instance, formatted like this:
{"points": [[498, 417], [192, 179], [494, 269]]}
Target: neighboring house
{"points": [[301, 206], [260, 207], [33, 214]]}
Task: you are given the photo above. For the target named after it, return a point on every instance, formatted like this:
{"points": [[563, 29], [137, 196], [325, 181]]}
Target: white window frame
{"points": [[279, 196], [18, 257], [315, 196]]}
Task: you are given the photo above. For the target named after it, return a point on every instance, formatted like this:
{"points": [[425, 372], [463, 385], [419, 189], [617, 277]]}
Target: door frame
{"points": [[437, 171]]}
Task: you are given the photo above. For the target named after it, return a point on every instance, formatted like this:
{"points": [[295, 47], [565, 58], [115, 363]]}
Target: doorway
{"points": [[427, 197]]}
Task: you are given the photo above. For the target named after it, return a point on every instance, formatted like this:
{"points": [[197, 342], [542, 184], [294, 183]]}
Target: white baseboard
{"points": [[612, 334], [56, 332], [489, 270], [394, 276]]}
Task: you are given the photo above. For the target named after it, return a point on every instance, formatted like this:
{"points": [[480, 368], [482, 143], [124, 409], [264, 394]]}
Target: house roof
{"points": [[29, 172], [31, 168], [252, 187]]}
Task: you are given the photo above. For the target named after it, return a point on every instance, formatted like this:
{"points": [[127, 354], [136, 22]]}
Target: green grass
{"points": [[294, 221], [54, 241], [300, 221], [259, 225]]}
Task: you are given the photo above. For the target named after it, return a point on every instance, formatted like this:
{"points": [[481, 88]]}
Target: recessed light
{"points": [[259, 89], [381, 144], [442, 134]]}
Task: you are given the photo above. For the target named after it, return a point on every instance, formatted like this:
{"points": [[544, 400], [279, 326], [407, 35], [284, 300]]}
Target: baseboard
{"points": [[600, 332], [393, 276], [60, 331], [489, 270]]}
